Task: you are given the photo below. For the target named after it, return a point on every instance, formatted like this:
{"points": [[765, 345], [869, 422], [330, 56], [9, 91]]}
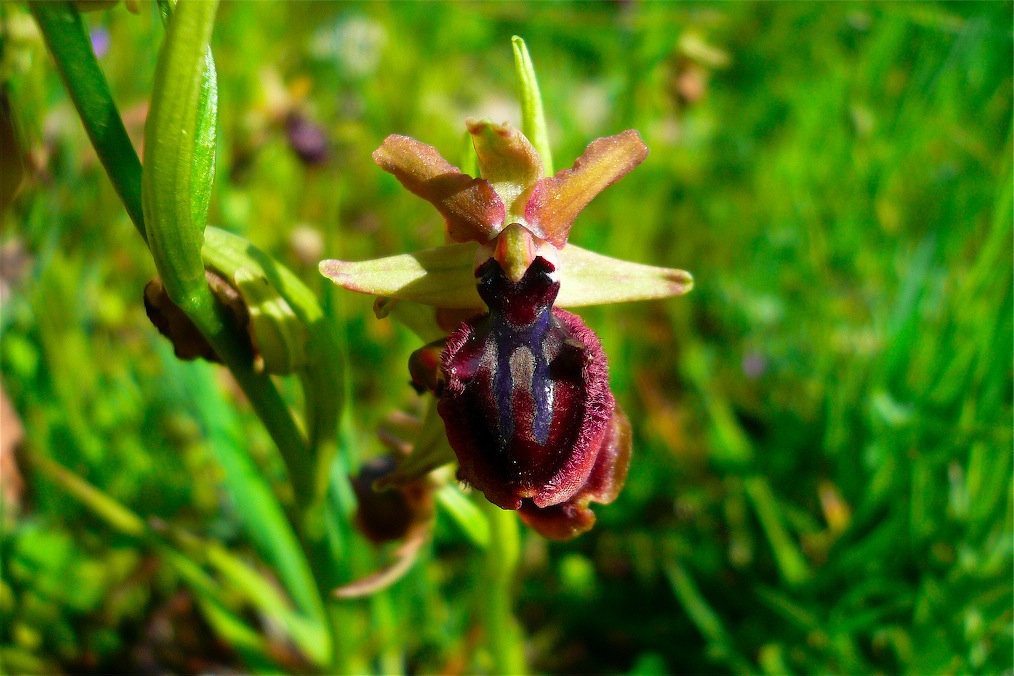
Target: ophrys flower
{"points": [[522, 385]]}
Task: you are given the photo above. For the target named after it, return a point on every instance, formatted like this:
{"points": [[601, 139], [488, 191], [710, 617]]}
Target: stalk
{"points": [[503, 636]]}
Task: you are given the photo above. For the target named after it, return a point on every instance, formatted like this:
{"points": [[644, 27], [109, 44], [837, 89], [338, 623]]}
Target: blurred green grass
{"points": [[822, 469]]}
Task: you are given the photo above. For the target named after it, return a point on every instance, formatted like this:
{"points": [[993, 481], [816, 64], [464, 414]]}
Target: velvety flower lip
{"points": [[569, 519], [526, 398]]}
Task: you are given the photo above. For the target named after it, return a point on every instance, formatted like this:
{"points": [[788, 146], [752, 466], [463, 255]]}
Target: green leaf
{"points": [[245, 581], [266, 597], [203, 171], [258, 507], [239, 579], [225, 621], [277, 332], [179, 153], [68, 42], [533, 116], [707, 621], [104, 506], [791, 564], [464, 513]]}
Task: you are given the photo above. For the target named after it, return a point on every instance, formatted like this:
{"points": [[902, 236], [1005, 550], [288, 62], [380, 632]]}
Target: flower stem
{"points": [[503, 635]]}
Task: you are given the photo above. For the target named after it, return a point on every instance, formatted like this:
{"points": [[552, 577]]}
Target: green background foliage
{"points": [[823, 456]]}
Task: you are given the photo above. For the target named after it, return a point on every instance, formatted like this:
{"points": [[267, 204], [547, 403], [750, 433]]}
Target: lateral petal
{"points": [[556, 201], [472, 209]]}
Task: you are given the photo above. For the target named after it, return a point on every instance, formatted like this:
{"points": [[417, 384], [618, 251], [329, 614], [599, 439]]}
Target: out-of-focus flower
{"points": [[391, 514], [388, 512], [692, 66], [307, 139], [355, 44], [522, 385], [100, 40]]}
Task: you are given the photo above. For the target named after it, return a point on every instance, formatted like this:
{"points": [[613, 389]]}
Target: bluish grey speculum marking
{"points": [[520, 316]]}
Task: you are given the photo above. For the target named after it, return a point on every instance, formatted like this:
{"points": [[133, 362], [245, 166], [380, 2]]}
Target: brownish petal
{"points": [[470, 206], [556, 201]]}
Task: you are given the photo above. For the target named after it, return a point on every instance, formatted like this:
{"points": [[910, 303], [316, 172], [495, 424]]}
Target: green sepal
{"points": [[430, 451], [588, 278], [418, 318], [441, 276]]}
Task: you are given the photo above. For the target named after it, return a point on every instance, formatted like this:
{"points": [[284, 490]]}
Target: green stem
{"points": [[68, 42], [265, 399], [503, 635]]}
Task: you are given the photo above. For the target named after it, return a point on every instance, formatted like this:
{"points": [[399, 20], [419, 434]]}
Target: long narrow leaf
{"points": [[68, 42], [256, 504]]}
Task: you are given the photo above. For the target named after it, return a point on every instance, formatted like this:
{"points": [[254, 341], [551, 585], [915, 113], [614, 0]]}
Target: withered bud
{"points": [[173, 323], [388, 515]]}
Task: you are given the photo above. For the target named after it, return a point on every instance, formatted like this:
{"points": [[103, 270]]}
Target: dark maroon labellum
{"points": [[526, 400], [573, 517]]}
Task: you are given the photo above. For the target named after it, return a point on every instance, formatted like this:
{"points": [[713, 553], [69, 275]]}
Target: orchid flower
{"points": [[522, 385]]}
